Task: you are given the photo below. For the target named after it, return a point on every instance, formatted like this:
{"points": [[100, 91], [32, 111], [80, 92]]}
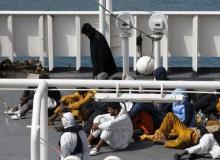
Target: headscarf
{"points": [[68, 120], [88, 30], [160, 73]]}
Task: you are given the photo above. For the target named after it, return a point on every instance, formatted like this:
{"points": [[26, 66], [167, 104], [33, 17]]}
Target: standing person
{"points": [[73, 139], [101, 55], [114, 128]]}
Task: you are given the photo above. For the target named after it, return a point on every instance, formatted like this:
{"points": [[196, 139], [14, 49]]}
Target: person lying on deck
{"points": [[185, 137], [181, 135], [114, 128], [208, 144], [27, 98]]}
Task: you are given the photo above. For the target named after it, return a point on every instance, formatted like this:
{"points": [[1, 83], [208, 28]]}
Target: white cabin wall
{"points": [[5, 41], [115, 40], [180, 36], [189, 34], [64, 35], [26, 38], [209, 36]]}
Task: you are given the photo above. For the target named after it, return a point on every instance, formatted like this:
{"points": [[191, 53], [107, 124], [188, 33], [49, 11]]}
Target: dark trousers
{"points": [[147, 107]]}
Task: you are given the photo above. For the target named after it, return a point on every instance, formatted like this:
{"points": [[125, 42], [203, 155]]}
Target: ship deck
{"points": [[15, 138]]}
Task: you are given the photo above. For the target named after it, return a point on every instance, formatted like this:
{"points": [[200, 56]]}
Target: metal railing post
{"points": [[44, 125], [35, 139], [102, 16]]}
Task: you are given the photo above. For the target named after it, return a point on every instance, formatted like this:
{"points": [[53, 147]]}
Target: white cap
{"points": [[72, 158], [68, 120], [112, 158]]}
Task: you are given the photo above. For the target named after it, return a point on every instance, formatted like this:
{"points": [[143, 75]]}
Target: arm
{"points": [[78, 104], [74, 96], [116, 123], [102, 118]]}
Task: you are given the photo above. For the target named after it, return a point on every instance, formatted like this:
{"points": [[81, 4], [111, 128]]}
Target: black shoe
{"points": [[193, 156], [176, 156]]}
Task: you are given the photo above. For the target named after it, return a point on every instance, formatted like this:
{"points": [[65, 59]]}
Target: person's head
{"points": [[82, 90], [200, 118], [87, 29], [202, 129], [112, 158], [114, 108], [160, 73], [68, 120]]}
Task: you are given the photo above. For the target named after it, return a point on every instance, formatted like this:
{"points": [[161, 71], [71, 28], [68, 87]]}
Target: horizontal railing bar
{"points": [[116, 12], [10, 83]]}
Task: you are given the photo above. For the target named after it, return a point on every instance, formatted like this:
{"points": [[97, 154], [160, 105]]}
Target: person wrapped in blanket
{"points": [[72, 103], [73, 140]]}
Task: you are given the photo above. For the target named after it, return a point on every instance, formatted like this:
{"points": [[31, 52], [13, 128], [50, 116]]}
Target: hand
{"points": [[62, 106]]}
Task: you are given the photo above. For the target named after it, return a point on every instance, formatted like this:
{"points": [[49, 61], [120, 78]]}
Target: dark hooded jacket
{"points": [[101, 55]]}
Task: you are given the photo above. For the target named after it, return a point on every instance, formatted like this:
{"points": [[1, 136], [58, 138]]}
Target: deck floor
{"points": [[183, 75]]}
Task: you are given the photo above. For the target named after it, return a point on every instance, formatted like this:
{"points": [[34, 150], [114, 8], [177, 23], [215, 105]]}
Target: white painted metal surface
{"points": [[78, 42], [156, 54], [102, 16], [190, 34], [44, 123], [39, 149], [41, 36], [50, 41], [156, 98]]}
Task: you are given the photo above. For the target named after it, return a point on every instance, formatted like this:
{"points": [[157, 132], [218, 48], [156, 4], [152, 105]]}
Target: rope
{"points": [[50, 146]]}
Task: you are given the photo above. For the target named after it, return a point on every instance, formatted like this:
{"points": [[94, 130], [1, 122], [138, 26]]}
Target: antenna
{"points": [[124, 23], [158, 24]]}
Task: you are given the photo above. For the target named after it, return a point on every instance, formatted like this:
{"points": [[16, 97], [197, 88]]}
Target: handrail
{"points": [[115, 12], [35, 139], [10, 83]]}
